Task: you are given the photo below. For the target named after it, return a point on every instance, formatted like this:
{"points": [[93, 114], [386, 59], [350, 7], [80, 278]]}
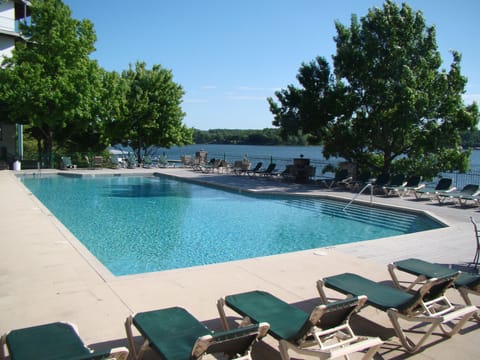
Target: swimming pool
{"points": [[143, 224]]}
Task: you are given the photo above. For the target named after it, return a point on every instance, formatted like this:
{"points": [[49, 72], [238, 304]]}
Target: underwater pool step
{"points": [[369, 215]]}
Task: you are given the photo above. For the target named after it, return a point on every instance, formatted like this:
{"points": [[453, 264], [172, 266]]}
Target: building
{"points": [[12, 12]]}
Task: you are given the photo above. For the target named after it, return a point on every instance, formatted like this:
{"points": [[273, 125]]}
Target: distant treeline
{"points": [[470, 139], [247, 137]]}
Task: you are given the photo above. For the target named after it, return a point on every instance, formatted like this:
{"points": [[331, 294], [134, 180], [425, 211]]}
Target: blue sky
{"points": [[230, 55]]}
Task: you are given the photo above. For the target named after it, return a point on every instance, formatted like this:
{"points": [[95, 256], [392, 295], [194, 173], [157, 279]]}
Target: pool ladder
{"points": [[369, 185]]}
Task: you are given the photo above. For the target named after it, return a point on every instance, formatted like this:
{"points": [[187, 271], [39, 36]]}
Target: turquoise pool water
{"points": [[142, 224]]}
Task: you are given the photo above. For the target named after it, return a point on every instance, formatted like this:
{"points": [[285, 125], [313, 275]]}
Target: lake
{"points": [[281, 155]]}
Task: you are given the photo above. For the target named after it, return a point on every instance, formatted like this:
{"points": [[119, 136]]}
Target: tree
{"points": [[50, 82], [151, 113], [388, 106]]}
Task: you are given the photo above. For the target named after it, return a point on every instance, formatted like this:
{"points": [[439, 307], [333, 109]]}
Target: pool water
{"points": [[143, 224]]}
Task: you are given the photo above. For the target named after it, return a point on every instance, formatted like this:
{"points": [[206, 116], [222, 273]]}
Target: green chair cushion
{"points": [[172, 331], [53, 341], [380, 296], [286, 321], [420, 267]]}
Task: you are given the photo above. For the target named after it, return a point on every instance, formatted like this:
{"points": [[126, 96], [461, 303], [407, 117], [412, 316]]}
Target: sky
{"points": [[229, 56]]}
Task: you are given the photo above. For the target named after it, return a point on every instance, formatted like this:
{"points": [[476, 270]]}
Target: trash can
{"points": [[17, 166]]}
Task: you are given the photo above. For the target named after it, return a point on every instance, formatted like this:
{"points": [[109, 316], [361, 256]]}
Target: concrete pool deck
{"points": [[47, 275]]}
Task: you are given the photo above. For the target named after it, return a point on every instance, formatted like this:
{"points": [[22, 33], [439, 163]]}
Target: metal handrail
{"points": [[369, 185]]}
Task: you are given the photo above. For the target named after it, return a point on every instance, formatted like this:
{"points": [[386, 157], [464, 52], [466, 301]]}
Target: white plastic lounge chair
{"points": [[397, 181], [468, 193], [413, 184], [255, 169], [66, 163], [427, 305], [325, 333], [466, 284], [175, 334], [443, 185], [57, 340]]}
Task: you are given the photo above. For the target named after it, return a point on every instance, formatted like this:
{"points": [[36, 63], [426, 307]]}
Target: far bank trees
{"points": [[387, 106]]}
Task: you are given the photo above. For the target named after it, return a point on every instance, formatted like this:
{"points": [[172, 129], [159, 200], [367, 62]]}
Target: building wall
{"points": [[7, 45], [8, 133]]}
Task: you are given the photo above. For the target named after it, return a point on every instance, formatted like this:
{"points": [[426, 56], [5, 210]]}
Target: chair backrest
{"points": [[270, 167], [397, 180], [231, 342], [470, 189], [341, 174], [339, 312], [258, 166], [432, 289], [413, 181], [444, 184], [382, 179], [329, 316], [67, 161]]}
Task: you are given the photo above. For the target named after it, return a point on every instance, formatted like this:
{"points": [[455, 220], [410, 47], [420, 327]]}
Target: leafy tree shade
{"points": [[388, 99], [150, 113], [50, 82]]}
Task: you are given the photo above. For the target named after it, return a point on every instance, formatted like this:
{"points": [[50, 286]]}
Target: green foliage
{"points": [[50, 82], [150, 111], [387, 100]]}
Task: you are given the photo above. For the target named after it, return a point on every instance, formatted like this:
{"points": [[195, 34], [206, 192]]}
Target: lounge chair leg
{"points": [[283, 347], [3, 342], [321, 292], [221, 313], [131, 342], [406, 342], [464, 292]]}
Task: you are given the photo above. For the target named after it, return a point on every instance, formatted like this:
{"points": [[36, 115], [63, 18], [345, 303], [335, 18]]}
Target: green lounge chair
{"points": [[427, 305], [444, 185], [255, 169], [413, 184], [465, 283], [268, 171], [342, 179], [66, 163], [396, 182], [52, 341], [463, 196], [311, 334], [176, 335]]}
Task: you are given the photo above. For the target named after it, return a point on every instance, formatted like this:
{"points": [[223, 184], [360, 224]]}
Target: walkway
{"points": [[47, 275]]}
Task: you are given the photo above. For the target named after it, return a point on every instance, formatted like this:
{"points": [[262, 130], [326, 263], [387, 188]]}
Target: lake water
{"points": [[281, 155]]}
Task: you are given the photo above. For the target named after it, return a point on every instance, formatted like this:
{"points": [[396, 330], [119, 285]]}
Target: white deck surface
{"points": [[47, 275]]}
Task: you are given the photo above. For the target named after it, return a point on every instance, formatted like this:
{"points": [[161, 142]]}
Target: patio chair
{"points": [[325, 333], [98, 161], [427, 305], [465, 283], [381, 181], [66, 163], [443, 185], [341, 179], [463, 196], [57, 340], [413, 184], [255, 169], [268, 171], [396, 182], [175, 334]]}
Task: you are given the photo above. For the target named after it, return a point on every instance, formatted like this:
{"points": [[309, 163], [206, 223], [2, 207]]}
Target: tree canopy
{"points": [[52, 84], [151, 113], [387, 105]]}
